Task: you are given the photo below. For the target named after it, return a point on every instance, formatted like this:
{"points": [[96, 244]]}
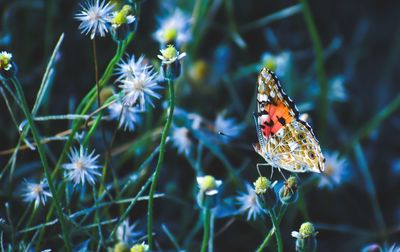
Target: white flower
{"points": [[278, 63], [248, 203], [117, 18], [181, 140], [336, 171], [208, 184], [175, 27], [83, 166], [296, 235], [127, 116], [94, 17], [129, 68], [126, 233], [5, 59], [337, 89], [140, 88], [228, 126], [36, 192], [169, 55]]}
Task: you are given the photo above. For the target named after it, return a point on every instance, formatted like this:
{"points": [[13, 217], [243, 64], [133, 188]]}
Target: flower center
{"points": [[37, 189], [80, 165]]}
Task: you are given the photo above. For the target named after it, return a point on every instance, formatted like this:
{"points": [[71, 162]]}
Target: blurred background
{"points": [[356, 117]]}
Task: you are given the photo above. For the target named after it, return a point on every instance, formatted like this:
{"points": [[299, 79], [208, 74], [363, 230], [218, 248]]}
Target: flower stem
{"points": [[206, 226], [278, 236], [159, 163], [82, 109], [43, 158], [271, 232]]}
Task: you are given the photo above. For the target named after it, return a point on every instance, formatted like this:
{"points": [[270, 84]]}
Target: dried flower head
{"points": [[82, 167], [128, 117], [140, 88], [37, 193], [248, 203], [94, 17]]}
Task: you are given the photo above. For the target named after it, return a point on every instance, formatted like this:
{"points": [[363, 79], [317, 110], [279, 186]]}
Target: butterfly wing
{"points": [[274, 108], [285, 141]]}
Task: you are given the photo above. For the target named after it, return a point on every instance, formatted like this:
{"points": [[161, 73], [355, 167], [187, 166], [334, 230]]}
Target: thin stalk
{"points": [[96, 72], [30, 220], [278, 236], [43, 158], [206, 228], [271, 232], [159, 163], [82, 109], [321, 75]]}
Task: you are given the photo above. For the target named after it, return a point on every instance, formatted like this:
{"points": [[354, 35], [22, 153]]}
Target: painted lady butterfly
{"points": [[285, 141]]}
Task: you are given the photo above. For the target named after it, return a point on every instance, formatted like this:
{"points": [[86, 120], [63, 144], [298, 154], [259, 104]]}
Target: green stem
{"points": [[271, 232], [43, 158], [321, 75], [278, 236], [31, 218], [206, 232], [159, 163]]}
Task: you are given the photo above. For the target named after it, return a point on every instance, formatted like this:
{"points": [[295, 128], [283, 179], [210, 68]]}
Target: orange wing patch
{"points": [[275, 108], [278, 117]]}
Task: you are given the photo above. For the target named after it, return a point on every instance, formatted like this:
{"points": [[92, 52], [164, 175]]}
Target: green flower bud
{"points": [[265, 192], [171, 65], [121, 247], [140, 247], [307, 229], [288, 192], [123, 22], [208, 196], [306, 240], [261, 185]]}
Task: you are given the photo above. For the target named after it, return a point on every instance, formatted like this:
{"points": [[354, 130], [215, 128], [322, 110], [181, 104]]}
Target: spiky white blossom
{"points": [[126, 233], [181, 140], [127, 116], [127, 69], [175, 27], [94, 17], [141, 88], [248, 203], [82, 167], [37, 193]]}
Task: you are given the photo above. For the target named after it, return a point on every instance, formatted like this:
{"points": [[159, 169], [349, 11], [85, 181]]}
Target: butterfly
{"points": [[285, 141]]}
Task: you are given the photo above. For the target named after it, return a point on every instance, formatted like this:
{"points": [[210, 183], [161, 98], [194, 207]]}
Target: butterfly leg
{"points": [[258, 167], [283, 175]]}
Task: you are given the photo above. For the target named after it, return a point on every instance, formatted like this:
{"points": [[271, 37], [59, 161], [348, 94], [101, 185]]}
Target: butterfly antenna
{"points": [[223, 134]]}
